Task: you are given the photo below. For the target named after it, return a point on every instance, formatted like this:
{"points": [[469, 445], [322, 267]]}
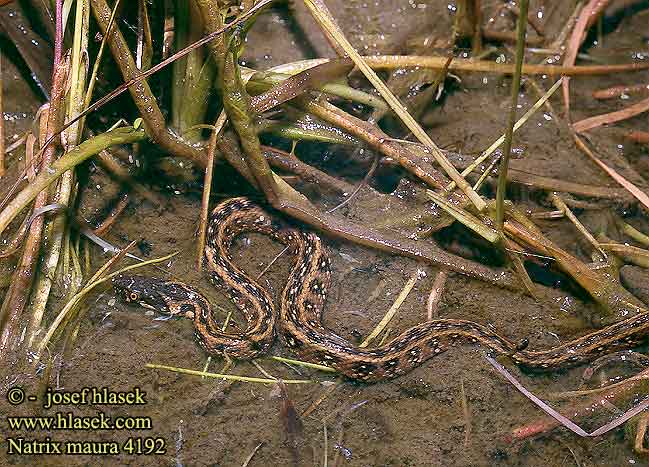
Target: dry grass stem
{"points": [[207, 188], [244, 379], [435, 295], [316, 403], [562, 419], [519, 123], [634, 233], [559, 204], [393, 309], [627, 185], [314, 366], [262, 370], [269, 265], [69, 310], [251, 455], [577, 37], [618, 91], [320, 12], [466, 412], [465, 218], [612, 117]]}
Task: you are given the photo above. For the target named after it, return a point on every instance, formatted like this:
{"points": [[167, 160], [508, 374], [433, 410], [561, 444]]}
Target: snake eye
{"points": [[133, 296]]}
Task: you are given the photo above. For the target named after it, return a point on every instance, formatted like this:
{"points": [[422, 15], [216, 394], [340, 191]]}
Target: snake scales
{"points": [[302, 304]]}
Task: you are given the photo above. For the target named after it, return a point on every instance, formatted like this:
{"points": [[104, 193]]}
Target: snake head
{"points": [[153, 293]]}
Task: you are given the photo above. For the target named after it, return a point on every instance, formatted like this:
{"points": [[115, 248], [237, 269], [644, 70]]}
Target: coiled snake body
{"points": [[302, 301]]}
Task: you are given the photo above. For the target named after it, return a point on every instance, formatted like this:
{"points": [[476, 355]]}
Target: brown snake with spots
{"points": [[303, 300]]}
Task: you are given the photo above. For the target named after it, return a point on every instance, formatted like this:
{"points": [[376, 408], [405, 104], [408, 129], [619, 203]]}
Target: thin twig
{"points": [[577, 37], [520, 122], [633, 233], [118, 172], [251, 455], [392, 62], [263, 371], [108, 221], [560, 418], [610, 393], [466, 411], [272, 262], [436, 294], [282, 160], [315, 366], [246, 379], [368, 176], [611, 117], [326, 444], [314, 405], [629, 186], [464, 217], [619, 91], [207, 188], [393, 309], [531, 18], [561, 205]]}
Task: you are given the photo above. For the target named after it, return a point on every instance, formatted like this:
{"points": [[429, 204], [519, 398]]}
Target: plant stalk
{"points": [[521, 26]]}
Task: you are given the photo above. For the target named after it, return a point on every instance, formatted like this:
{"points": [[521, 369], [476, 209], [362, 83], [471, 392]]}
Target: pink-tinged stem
{"points": [[58, 39]]}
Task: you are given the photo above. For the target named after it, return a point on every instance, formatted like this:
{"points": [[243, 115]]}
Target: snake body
{"points": [[302, 302]]}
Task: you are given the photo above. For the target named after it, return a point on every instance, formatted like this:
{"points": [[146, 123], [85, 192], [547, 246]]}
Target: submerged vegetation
{"points": [[195, 98]]}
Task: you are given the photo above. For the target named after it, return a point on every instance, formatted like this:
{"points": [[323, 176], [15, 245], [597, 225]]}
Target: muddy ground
{"points": [[418, 419]]}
